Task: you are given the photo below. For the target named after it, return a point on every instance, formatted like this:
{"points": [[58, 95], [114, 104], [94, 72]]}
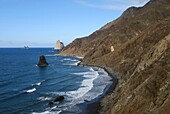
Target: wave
{"points": [[79, 57], [50, 55], [44, 98], [87, 74], [50, 111], [30, 90], [91, 87], [85, 87], [91, 69], [18, 94], [60, 81], [69, 59], [47, 112], [73, 64], [39, 83]]}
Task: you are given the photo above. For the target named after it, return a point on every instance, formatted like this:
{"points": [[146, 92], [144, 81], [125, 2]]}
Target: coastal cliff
{"points": [[135, 48]]}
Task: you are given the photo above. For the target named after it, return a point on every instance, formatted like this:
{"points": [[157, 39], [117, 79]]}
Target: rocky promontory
{"points": [[136, 49]]}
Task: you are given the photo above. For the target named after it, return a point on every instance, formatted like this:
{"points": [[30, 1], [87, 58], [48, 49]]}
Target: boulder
{"points": [[59, 98], [42, 61]]}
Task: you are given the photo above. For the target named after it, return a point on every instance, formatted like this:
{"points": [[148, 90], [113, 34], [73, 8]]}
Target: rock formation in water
{"points": [[140, 58], [59, 99], [42, 61], [59, 45]]}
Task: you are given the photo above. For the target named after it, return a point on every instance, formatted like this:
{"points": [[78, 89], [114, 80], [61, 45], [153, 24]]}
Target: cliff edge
{"points": [[136, 46]]}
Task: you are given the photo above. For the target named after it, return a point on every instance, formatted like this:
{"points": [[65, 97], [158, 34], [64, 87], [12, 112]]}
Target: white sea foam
{"points": [[81, 73], [73, 64], [90, 74], [91, 69], [91, 87], [50, 55], [69, 59], [86, 86], [54, 107], [31, 90], [39, 83], [79, 57], [44, 98], [47, 112]]}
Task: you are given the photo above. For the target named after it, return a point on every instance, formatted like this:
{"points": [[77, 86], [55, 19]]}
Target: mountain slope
{"points": [[137, 47]]}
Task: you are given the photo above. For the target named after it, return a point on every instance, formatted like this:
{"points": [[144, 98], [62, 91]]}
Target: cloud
{"points": [[111, 4]]}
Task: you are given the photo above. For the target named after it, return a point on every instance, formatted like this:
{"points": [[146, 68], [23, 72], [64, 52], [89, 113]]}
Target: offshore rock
{"points": [[59, 45], [42, 61], [59, 98]]}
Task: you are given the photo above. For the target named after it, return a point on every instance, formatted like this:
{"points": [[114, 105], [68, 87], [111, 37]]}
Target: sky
{"points": [[40, 23]]}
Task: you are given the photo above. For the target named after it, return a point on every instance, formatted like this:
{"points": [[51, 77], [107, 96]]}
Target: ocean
{"points": [[26, 88]]}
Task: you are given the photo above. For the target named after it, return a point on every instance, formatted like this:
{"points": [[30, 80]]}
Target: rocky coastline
{"points": [[101, 105], [135, 48]]}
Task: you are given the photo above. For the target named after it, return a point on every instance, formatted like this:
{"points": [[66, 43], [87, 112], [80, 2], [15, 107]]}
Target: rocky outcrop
{"points": [[42, 61], [136, 46], [59, 99], [59, 45]]}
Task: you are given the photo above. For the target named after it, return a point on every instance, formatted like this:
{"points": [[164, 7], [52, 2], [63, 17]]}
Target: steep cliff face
{"points": [[132, 22], [144, 64], [137, 46]]}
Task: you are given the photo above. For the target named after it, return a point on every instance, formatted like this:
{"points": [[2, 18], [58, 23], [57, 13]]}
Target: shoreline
{"points": [[95, 106]]}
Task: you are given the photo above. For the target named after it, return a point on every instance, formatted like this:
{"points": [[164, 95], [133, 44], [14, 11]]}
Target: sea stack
{"points": [[42, 61], [59, 45]]}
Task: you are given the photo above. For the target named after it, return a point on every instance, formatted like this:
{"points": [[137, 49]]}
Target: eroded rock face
{"points": [[42, 61], [59, 45]]}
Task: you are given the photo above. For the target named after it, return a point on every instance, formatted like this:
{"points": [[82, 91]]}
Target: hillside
{"points": [[140, 56]]}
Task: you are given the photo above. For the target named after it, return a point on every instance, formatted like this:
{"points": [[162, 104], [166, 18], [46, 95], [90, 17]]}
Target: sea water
{"points": [[26, 88]]}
